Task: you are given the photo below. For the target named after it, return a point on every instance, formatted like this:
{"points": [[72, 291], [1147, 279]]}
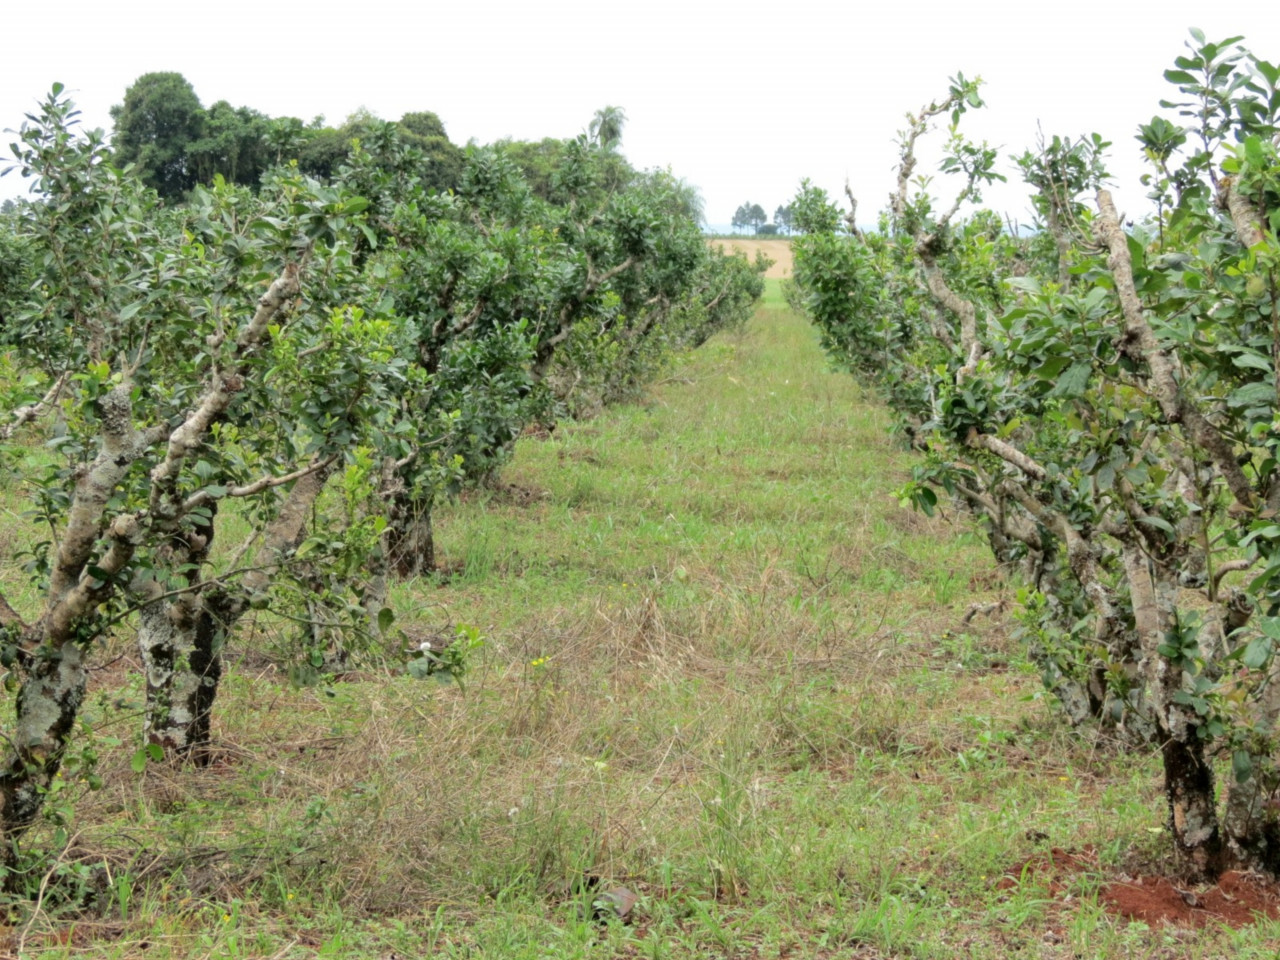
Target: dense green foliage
{"points": [[175, 143], [1106, 402], [156, 127], [328, 357]]}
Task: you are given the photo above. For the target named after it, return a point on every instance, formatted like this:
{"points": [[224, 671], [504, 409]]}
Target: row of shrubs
{"points": [[1103, 397], [307, 366]]}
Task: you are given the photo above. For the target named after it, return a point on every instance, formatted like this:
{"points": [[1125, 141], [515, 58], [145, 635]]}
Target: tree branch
{"points": [[1139, 343], [1244, 215], [201, 497], [1008, 453], [34, 411], [189, 434]]}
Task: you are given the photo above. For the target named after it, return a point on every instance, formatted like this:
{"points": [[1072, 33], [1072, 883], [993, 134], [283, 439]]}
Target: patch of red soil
{"points": [[1051, 866], [1236, 900]]}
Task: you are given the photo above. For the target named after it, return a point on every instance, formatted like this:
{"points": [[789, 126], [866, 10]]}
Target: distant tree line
{"points": [[176, 143], [752, 215]]}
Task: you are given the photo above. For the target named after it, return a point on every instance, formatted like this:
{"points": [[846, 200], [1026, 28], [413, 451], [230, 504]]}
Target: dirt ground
{"points": [[777, 250], [1237, 898]]}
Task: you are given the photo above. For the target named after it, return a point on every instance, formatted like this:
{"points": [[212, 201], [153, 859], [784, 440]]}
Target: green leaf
{"points": [[1160, 524], [386, 617], [1252, 395], [1137, 252], [1179, 76], [420, 668], [1074, 382], [138, 762], [155, 752], [1250, 360], [1253, 151], [1241, 765], [1257, 653], [1052, 367], [1136, 475]]}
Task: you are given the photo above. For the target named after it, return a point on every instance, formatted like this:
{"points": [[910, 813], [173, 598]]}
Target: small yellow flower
{"points": [[226, 918]]}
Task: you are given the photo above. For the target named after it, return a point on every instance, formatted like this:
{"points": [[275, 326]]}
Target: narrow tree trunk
{"points": [[1188, 778], [411, 544], [376, 588], [1062, 242]]}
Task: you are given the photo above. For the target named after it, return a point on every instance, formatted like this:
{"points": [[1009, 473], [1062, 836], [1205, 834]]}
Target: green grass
{"points": [[723, 667]]}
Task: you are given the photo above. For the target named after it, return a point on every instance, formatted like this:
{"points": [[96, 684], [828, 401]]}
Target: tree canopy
{"points": [[175, 143], [160, 119], [606, 126]]}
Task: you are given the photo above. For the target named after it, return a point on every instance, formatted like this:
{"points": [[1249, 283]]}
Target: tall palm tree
{"points": [[606, 126]]}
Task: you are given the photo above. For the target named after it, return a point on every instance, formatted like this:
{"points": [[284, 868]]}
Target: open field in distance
{"points": [[777, 249]]}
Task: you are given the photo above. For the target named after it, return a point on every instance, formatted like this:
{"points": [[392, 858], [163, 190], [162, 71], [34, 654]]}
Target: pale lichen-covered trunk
{"points": [[180, 650], [180, 639], [94, 549], [48, 704], [1188, 776]]}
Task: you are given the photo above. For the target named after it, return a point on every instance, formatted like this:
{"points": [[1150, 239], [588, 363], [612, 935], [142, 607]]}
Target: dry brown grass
{"points": [[776, 249]]}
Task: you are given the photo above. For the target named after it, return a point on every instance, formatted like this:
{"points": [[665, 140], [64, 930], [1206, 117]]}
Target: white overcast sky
{"points": [[741, 99]]}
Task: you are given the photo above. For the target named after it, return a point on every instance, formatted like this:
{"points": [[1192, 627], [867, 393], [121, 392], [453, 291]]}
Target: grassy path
{"points": [[722, 668]]}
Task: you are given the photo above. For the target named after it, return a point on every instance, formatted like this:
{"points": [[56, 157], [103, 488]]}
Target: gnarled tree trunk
{"points": [[1188, 776], [180, 639]]}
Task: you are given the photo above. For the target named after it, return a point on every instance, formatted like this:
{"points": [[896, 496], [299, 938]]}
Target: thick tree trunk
{"points": [[1188, 785], [1252, 827], [181, 639], [181, 655], [1251, 822], [51, 656], [48, 703]]}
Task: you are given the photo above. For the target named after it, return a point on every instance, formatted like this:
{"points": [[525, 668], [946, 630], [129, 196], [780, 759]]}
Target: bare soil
{"points": [[1236, 899], [776, 249]]}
